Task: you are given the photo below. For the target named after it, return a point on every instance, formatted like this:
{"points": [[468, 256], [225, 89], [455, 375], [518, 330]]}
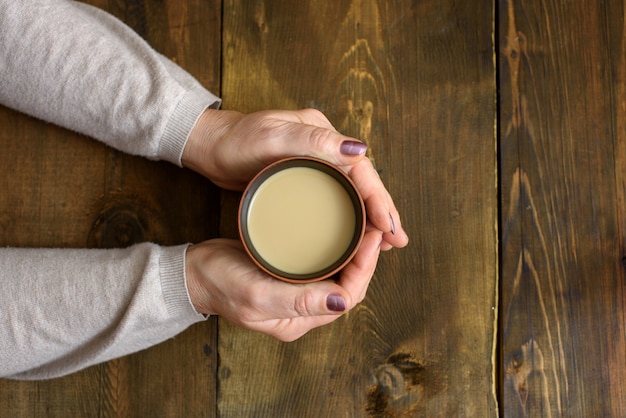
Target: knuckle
{"points": [[319, 138], [303, 304]]}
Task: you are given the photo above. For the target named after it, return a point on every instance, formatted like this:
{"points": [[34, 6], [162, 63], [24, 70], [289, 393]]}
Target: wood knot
{"points": [[519, 366], [117, 227], [398, 386]]}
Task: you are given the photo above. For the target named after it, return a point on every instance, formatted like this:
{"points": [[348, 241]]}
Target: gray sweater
{"points": [[62, 310]]}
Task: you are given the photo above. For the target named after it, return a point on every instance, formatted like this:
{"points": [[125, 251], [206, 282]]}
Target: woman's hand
{"points": [[222, 280], [229, 148]]}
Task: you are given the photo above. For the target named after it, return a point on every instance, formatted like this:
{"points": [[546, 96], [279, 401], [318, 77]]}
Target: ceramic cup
{"points": [[301, 219]]}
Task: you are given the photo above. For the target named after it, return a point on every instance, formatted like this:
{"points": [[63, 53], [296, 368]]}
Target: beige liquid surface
{"points": [[301, 220]]}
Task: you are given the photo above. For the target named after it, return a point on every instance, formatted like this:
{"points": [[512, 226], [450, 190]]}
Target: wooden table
{"points": [[503, 145]]}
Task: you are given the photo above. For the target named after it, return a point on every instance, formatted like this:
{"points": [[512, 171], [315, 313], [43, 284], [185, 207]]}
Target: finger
{"points": [[397, 237], [356, 276], [306, 132], [324, 143], [276, 300], [382, 213], [385, 246], [377, 199]]}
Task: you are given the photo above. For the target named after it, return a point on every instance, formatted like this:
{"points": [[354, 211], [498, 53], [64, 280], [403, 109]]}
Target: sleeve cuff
{"points": [[174, 283], [182, 121]]}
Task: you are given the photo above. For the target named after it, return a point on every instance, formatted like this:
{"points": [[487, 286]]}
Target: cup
{"points": [[301, 219]]}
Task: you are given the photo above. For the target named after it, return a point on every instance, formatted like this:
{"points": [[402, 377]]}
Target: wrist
{"points": [[198, 153], [196, 291]]}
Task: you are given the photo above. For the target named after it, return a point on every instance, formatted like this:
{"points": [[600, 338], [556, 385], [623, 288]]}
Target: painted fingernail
{"points": [[352, 148], [393, 225], [335, 303]]}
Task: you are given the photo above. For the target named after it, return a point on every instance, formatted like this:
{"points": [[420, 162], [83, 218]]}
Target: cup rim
{"points": [[335, 172]]}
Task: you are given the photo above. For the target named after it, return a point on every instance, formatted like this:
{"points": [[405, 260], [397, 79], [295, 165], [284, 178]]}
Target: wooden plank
{"points": [[63, 190], [416, 81], [562, 102]]}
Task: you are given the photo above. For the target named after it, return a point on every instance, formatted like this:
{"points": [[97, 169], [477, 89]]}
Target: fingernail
{"points": [[352, 148], [335, 303], [393, 225]]}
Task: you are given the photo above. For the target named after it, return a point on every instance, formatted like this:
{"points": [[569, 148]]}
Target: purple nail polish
{"points": [[352, 148], [335, 303]]}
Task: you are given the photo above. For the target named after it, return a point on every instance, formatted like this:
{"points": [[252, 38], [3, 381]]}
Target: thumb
{"points": [[312, 134], [318, 299]]}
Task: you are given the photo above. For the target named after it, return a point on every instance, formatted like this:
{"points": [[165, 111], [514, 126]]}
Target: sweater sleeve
{"points": [[79, 67], [76, 66], [64, 310]]}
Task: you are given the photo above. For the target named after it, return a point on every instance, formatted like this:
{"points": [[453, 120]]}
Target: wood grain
{"points": [[562, 177], [416, 82], [64, 190]]}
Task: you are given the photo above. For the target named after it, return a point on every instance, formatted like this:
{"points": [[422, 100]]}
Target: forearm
{"points": [[79, 67], [64, 310]]}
